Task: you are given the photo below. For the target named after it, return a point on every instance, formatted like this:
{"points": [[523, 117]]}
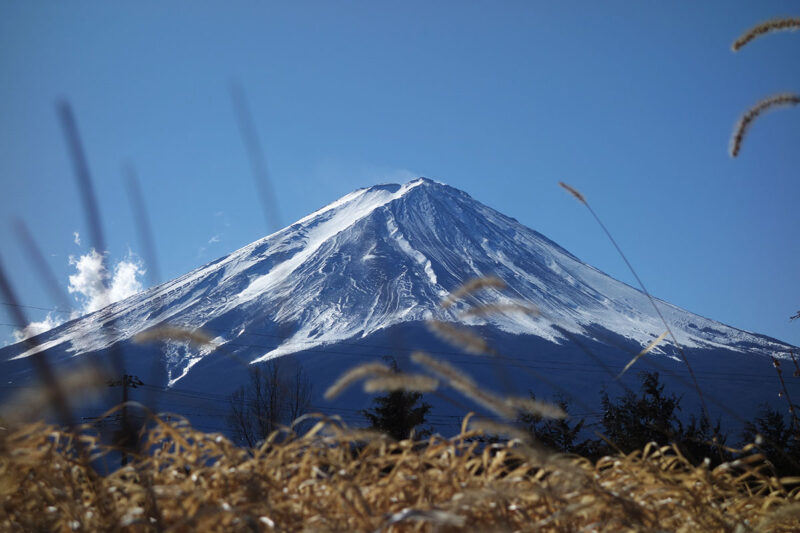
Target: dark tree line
{"points": [[633, 420], [278, 394]]}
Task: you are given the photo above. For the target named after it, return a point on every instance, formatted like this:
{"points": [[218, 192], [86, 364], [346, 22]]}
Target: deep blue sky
{"points": [[630, 102]]}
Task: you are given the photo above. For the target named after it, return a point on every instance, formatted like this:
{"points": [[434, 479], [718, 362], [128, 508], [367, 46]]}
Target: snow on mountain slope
{"points": [[381, 256]]}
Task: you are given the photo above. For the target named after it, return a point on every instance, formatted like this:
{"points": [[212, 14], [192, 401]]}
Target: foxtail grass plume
{"points": [[401, 382], [770, 26], [646, 349], [460, 337], [174, 333], [490, 427], [537, 408], [355, 374], [489, 309], [464, 384], [778, 100], [473, 285], [573, 191]]}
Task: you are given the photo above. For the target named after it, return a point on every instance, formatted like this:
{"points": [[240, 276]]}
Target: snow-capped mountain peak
{"points": [[381, 256]]}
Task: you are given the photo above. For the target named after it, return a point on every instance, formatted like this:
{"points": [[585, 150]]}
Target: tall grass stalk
{"points": [[678, 345]]}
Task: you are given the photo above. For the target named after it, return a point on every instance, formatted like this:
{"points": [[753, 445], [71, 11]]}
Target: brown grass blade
{"points": [[258, 161], [490, 427], [38, 358], [82, 175], [198, 337], [355, 374], [401, 382], [746, 120], [489, 309], [464, 384], [460, 337], [473, 285], [573, 191], [46, 275], [787, 513], [202, 482], [646, 349], [143, 227], [536, 407], [770, 26]]}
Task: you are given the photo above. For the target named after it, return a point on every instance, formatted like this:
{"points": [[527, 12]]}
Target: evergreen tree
{"points": [[559, 434], [398, 414], [779, 441], [631, 422]]}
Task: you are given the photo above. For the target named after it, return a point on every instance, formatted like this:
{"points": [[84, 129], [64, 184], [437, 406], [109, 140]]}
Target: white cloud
{"points": [[125, 281], [215, 239], [95, 287], [76, 238], [34, 328]]}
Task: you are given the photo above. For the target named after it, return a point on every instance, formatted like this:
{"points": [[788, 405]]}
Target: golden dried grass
{"points": [[644, 351], [194, 481], [573, 191], [465, 385], [471, 286], [490, 309], [401, 382], [355, 374], [770, 26], [778, 100], [197, 337], [460, 337], [536, 407]]}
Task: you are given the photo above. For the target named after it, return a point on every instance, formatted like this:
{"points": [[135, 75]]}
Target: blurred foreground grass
{"points": [[334, 478]]}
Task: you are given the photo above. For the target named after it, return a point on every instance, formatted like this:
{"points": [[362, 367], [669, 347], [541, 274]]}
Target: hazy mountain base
{"points": [[735, 384]]}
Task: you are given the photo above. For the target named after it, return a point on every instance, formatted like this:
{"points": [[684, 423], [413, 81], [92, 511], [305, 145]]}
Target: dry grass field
{"points": [[334, 478]]}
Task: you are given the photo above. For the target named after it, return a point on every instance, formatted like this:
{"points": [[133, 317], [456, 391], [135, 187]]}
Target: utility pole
{"points": [[125, 436]]}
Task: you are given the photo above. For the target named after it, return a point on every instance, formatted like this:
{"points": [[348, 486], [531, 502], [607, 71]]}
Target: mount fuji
{"points": [[360, 277]]}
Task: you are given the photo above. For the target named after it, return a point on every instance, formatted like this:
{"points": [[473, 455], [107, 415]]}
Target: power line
{"points": [[386, 347], [30, 306], [568, 365]]}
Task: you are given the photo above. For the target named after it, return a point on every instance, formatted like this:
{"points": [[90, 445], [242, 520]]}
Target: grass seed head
{"points": [[401, 382], [770, 26], [471, 286], [460, 337], [573, 191], [355, 374], [197, 337], [746, 120]]}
